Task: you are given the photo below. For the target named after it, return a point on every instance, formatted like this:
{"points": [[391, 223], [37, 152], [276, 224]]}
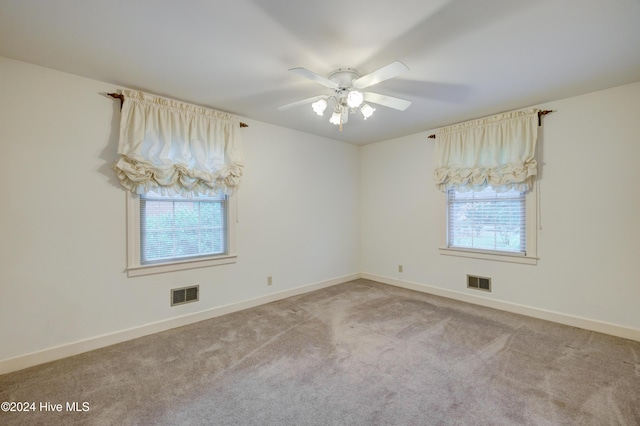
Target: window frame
{"points": [[136, 268], [528, 258]]}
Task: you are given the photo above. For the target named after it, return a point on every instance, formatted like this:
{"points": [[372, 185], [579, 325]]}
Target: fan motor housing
{"points": [[344, 77]]}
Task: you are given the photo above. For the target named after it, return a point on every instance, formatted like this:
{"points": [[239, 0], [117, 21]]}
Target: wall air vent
{"points": [[479, 283], [180, 296]]}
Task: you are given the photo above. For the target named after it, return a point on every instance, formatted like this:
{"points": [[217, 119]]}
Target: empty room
{"points": [[268, 212]]}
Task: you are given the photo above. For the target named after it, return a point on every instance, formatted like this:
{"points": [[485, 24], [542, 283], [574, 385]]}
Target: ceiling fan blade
{"points": [[303, 72], [302, 102], [394, 69], [388, 101]]}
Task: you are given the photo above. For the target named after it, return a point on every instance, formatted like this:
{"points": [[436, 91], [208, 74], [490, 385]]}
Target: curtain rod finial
{"points": [[541, 113], [117, 96]]}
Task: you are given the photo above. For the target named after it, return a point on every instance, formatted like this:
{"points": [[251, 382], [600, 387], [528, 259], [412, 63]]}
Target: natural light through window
{"points": [[487, 220], [175, 228]]}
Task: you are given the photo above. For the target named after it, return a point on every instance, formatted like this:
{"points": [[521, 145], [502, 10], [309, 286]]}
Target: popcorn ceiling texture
{"points": [[360, 353]]}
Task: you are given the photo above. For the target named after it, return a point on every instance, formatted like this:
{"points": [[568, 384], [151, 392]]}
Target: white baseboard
{"points": [[574, 321], [58, 352], [63, 351]]}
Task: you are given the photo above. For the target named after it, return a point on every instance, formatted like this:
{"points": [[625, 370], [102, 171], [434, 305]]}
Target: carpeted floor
{"points": [[360, 353]]}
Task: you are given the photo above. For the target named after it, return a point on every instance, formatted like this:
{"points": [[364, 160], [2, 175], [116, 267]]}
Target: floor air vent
{"points": [[183, 295], [479, 283]]}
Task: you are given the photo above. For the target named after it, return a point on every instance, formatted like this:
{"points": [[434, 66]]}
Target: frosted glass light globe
{"points": [[354, 99]]}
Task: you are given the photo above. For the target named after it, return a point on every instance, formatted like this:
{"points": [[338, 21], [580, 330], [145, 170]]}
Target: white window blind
{"points": [[487, 220], [177, 228]]}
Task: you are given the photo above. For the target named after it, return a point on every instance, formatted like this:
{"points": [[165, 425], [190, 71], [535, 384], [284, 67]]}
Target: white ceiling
{"points": [[467, 58]]}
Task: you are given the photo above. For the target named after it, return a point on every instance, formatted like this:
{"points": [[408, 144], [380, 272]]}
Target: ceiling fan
{"points": [[346, 97]]}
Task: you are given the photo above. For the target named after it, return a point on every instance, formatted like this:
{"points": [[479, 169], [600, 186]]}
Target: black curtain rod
{"points": [[540, 114], [121, 97]]}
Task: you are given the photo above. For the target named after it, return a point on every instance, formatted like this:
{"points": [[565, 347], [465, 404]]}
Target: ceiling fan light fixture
{"points": [[319, 106], [367, 111], [347, 97], [335, 118], [354, 99]]}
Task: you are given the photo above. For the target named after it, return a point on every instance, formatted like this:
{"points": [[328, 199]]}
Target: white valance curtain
{"points": [[496, 151], [177, 148]]}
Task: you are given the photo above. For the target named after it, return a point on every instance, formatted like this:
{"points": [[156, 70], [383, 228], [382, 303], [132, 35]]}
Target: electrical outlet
{"points": [[269, 280], [400, 268]]}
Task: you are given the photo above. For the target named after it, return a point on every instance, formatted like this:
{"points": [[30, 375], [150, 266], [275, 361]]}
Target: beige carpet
{"points": [[360, 353]]}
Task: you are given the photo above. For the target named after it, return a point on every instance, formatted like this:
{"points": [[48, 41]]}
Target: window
{"points": [[494, 158], [487, 220], [177, 228], [491, 225], [169, 233]]}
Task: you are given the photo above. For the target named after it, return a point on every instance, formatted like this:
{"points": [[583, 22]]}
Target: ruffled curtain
{"points": [[176, 148], [497, 152]]}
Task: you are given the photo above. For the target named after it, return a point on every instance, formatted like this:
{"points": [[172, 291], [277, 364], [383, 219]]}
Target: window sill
{"points": [[500, 257], [136, 271]]}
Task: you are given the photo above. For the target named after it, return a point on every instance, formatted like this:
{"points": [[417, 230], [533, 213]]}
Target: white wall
{"points": [[589, 216], [62, 224]]}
